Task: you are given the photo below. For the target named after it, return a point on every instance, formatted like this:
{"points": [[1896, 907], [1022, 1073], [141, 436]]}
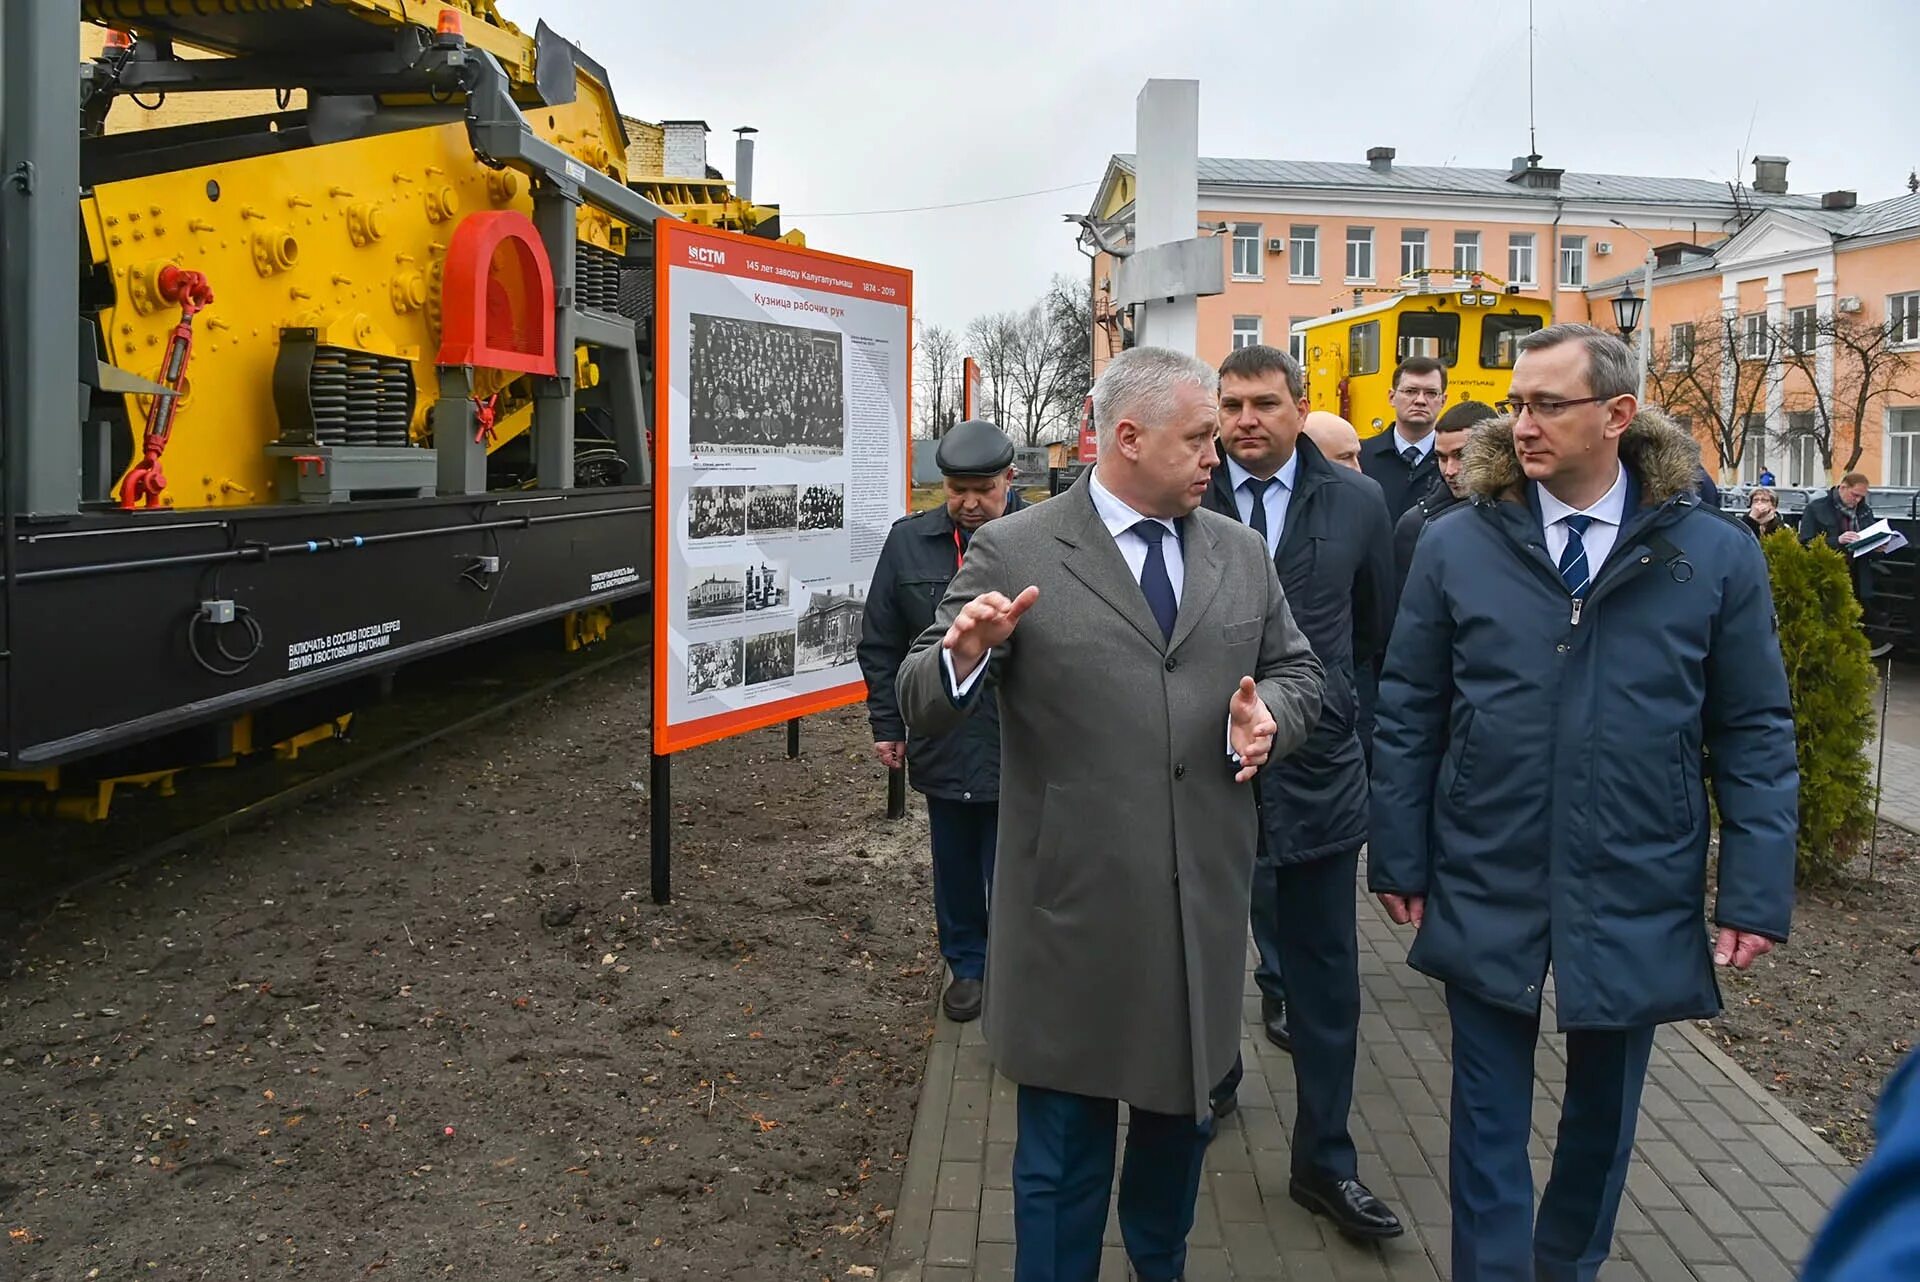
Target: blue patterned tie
{"points": [[1154, 583], [1574, 570]]}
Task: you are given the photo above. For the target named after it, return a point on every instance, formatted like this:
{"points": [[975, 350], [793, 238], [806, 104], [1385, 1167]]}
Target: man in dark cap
{"points": [[958, 772]]}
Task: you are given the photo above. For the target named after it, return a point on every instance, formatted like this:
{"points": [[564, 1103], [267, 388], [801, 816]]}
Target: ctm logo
{"points": [[702, 254]]}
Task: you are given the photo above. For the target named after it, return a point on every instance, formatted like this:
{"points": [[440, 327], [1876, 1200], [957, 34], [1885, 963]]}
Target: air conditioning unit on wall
{"points": [[1275, 245], [1851, 303], [1603, 247]]}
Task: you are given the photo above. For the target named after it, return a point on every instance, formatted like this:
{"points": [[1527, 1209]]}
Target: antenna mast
{"points": [[1533, 140]]}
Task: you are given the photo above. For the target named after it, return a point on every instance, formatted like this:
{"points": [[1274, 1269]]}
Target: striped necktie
{"points": [[1574, 570]]}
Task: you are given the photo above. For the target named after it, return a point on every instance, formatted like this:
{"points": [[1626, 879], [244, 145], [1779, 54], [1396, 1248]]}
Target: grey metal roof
{"points": [[1218, 171], [1897, 214]]}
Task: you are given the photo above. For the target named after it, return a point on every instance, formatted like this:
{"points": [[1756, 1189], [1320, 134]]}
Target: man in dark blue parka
{"points": [[1579, 651]]}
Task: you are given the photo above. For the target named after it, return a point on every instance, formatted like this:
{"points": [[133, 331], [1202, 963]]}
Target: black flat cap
{"points": [[974, 448]]}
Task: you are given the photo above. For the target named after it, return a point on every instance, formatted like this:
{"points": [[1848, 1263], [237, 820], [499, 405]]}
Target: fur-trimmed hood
{"points": [[1662, 456]]}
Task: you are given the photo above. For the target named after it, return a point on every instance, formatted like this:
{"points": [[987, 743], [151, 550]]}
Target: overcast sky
{"points": [[866, 106]]}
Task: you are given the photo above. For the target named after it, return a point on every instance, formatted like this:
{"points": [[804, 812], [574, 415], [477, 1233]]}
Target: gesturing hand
{"points": [[1250, 729], [983, 623]]}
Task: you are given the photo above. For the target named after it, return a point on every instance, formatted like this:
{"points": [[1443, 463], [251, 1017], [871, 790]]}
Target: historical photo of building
{"points": [[766, 587], [760, 388], [769, 657], [714, 591], [823, 507], [716, 511], [771, 509], [829, 628], [714, 665]]}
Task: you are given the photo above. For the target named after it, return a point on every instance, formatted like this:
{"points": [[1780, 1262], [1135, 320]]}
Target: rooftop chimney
{"points": [[1380, 159], [743, 163], [1528, 172], [1770, 175], [1840, 200], [685, 145]]}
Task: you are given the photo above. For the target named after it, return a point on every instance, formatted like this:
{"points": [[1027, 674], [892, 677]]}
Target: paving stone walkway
{"points": [[1726, 1184]]}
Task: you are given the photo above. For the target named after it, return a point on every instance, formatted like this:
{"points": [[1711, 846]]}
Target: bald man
{"points": [[1335, 437]]}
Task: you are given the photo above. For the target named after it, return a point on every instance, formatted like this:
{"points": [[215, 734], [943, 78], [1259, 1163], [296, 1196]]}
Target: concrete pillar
{"points": [[1166, 206]]}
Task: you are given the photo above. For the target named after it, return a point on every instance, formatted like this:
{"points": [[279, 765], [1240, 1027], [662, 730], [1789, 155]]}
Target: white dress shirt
{"points": [[1277, 497], [1401, 445], [1607, 514], [1119, 520]]}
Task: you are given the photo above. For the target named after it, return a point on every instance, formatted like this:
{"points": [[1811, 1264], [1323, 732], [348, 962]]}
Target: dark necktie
{"points": [[1154, 583], [1257, 518], [1574, 570], [1412, 455]]}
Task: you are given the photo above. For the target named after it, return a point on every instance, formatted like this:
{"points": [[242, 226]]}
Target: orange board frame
{"points": [[679, 246]]}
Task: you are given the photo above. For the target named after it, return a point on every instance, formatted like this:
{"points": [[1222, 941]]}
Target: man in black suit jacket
{"points": [[1400, 459]]}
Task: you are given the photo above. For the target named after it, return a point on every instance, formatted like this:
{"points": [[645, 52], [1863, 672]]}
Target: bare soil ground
{"points": [[1821, 1021], [431, 1024]]}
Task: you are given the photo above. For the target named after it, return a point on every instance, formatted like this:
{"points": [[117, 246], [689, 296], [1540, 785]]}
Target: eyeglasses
{"points": [[1546, 409], [1422, 394]]}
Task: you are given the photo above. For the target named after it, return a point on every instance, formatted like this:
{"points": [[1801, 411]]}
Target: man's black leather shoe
{"points": [[962, 1000], [1354, 1211], [1274, 1015]]}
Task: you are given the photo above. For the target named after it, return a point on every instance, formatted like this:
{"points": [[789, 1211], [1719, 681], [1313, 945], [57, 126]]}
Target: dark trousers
{"points": [[963, 846], [1496, 1235], [1265, 917], [1063, 1175], [1314, 928]]}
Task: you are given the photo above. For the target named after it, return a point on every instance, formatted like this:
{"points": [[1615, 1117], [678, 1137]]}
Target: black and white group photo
{"points": [[713, 665], [761, 388], [829, 629], [772, 509], [716, 511], [769, 657], [823, 507], [714, 591], [766, 587]]}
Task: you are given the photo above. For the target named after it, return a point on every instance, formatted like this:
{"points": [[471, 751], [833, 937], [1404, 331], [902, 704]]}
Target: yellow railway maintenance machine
{"points": [[290, 400], [1473, 327]]}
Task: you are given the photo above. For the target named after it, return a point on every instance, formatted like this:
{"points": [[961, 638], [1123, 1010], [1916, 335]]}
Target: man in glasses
{"points": [[1568, 651], [1400, 459]]}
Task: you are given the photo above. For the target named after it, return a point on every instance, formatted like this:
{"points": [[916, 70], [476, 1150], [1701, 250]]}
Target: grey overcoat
{"points": [[1115, 959]]}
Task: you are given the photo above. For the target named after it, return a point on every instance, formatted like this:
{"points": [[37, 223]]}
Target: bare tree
{"points": [[1073, 322], [991, 340], [935, 379], [1867, 367], [1692, 373]]}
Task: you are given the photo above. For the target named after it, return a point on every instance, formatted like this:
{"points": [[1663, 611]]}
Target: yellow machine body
{"points": [[1350, 355]]}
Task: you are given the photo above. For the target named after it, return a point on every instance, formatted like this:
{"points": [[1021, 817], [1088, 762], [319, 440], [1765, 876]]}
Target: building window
{"points": [[1680, 346], [1466, 252], [1246, 251], [1363, 348], [1413, 250], [1297, 342], [1359, 253], [1573, 261], [1903, 447], [1246, 332], [1903, 317], [1803, 451], [1800, 330], [1753, 337], [1304, 245], [1753, 456], [1520, 258]]}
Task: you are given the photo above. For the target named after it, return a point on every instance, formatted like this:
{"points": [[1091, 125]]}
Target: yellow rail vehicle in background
{"points": [[364, 318], [1472, 328]]}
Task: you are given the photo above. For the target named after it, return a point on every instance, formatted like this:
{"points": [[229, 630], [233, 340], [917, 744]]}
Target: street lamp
{"points": [[1626, 312]]}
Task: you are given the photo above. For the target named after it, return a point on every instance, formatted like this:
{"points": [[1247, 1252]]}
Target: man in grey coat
{"points": [[1147, 666]]}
